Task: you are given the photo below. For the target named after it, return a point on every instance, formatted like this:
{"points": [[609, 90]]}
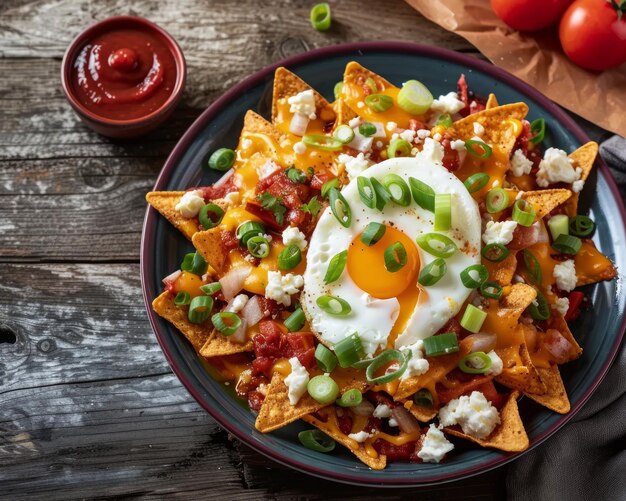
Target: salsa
{"points": [[124, 74]]}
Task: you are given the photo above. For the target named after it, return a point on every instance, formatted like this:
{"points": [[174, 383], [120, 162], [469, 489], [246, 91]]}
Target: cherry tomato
{"points": [[593, 35], [529, 15]]}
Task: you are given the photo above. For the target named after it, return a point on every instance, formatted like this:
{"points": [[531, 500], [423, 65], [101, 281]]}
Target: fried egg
{"points": [[391, 309]]}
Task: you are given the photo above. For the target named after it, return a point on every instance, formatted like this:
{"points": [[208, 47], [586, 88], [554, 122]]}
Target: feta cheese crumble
{"points": [[434, 446], [360, 437], [479, 130], [565, 275], [299, 148], [296, 381], [190, 203], [496, 364], [433, 150], [500, 232], [449, 103], [391, 126], [520, 165], [354, 165], [304, 103], [417, 365], [382, 411], [280, 288], [556, 167], [562, 305], [475, 414], [293, 235]]}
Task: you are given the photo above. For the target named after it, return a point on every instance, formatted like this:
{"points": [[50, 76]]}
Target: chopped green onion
{"points": [[437, 244], [382, 194], [423, 398], [378, 103], [384, 359], [185, 265], [334, 305], [491, 290], [182, 299], [289, 257], [326, 359], [326, 187], [366, 191], [367, 129], [321, 142], [497, 200], [338, 89], [226, 322], [316, 440], [539, 309], [395, 257], [336, 267], [475, 363], [474, 276], [581, 226], [372, 233], [210, 216], [441, 344], [211, 288], [523, 212], [532, 266], [559, 225], [432, 272], [344, 133], [538, 129], [495, 252], [473, 318], [199, 309], [398, 189], [295, 175], [249, 229], [423, 194], [399, 148], [567, 244], [340, 208], [443, 211], [479, 149], [258, 246], [414, 97], [349, 350], [476, 182], [444, 120], [194, 264], [323, 389], [369, 81], [350, 398], [295, 321], [320, 17], [222, 159]]}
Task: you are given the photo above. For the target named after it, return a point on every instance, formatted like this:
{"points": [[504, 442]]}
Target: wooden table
{"points": [[88, 405]]}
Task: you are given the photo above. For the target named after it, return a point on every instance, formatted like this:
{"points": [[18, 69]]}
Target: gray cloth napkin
{"points": [[586, 459]]}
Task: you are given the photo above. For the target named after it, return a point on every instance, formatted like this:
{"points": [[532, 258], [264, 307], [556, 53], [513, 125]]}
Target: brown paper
{"points": [[536, 58]]}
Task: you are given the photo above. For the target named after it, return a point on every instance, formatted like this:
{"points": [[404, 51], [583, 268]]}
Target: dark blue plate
{"points": [[162, 249]]}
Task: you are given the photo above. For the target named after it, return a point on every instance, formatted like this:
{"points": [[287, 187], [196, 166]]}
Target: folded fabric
{"points": [[586, 459]]}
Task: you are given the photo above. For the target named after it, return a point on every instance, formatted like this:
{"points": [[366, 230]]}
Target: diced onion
{"points": [[172, 278], [240, 334], [406, 421], [299, 123], [232, 281], [481, 342], [365, 408], [557, 345], [252, 312]]}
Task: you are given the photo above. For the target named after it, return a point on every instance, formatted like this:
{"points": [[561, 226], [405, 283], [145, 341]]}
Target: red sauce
{"points": [[124, 74]]}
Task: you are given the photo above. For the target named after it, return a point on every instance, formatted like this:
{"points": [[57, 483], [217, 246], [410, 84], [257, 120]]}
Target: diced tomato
{"points": [[279, 185], [373, 425], [463, 94], [266, 216], [525, 236], [394, 452], [344, 421], [267, 343], [453, 325], [262, 365], [476, 106], [212, 192], [321, 415], [523, 138], [270, 307], [255, 400], [576, 299], [381, 398], [296, 217], [416, 125], [462, 388], [489, 390], [299, 344], [450, 157], [318, 180]]}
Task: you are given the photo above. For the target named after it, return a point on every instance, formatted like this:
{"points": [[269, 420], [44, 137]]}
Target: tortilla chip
{"points": [[584, 157], [558, 322], [253, 123], [545, 201], [603, 270], [509, 435], [355, 73], [492, 101], [196, 334], [502, 272], [555, 398], [522, 377], [344, 113], [377, 463], [498, 130], [288, 84], [218, 345], [422, 414], [165, 203], [209, 244]]}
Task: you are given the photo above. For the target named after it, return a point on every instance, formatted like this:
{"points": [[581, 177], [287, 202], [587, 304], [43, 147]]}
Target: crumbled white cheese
{"points": [[361, 436], [382, 411], [496, 364], [475, 414], [449, 103], [577, 186], [296, 381], [437, 136], [262, 389], [246, 143], [458, 145], [417, 365], [562, 305], [238, 303], [392, 422], [565, 275], [500, 232], [479, 130], [495, 184], [407, 135], [434, 446], [556, 167], [190, 203], [232, 198], [360, 142], [355, 122], [380, 129], [391, 126], [433, 150], [354, 165], [299, 148], [267, 169], [280, 288], [520, 165], [293, 235], [304, 103], [423, 134]]}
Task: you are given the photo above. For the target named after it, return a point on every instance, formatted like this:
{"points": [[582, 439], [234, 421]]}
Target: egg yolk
{"points": [[366, 265]]}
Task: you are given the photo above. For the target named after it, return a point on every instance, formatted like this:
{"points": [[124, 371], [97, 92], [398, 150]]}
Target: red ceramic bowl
{"points": [[131, 127]]}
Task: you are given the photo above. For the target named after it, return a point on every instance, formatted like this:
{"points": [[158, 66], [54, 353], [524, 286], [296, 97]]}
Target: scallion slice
{"points": [[476, 182], [258, 246], [441, 344], [334, 305], [336, 267], [366, 191], [532, 266], [432, 272], [187, 262], [477, 362], [350, 398], [474, 276], [399, 148], [395, 257], [321, 142], [382, 194], [340, 208], [423, 398], [567, 244], [249, 229], [323, 389], [316, 441], [558, 225], [491, 290], [196, 264], [369, 81], [473, 318], [182, 299], [328, 185], [414, 97], [210, 216], [479, 149], [344, 133], [398, 189], [497, 200], [367, 129], [378, 102], [444, 120], [581, 226], [289, 257], [443, 211], [199, 309], [295, 321], [372, 233], [523, 212], [211, 288], [326, 359], [495, 252], [321, 17], [337, 89], [349, 350], [539, 309], [222, 159], [423, 194], [538, 129], [437, 244], [385, 358], [226, 322]]}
